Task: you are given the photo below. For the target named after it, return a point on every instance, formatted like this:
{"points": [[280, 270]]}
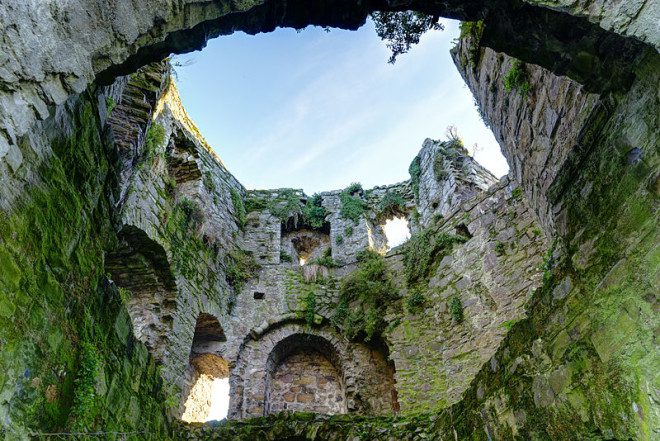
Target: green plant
{"points": [[456, 309], [239, 208], [285, 257], [192, 214], [471, 32], [286, 205], [415, 301], [509, 324], [439, 169], [517, 193], [352, 206], [313, 212], [170, 185], [124, 294], [516, 79], [339, 239], [83, 409], [255, 203], [348, 231], [415, 171], [326, 261], [423, 251], [154, 139], [309, 303], [363, 297], [110, 104], [403, 29], [500, 248], [240, 266], [208, 182], [390, 205]]}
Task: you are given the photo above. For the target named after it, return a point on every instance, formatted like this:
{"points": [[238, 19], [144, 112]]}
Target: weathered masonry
{"points": [[135, 270]]}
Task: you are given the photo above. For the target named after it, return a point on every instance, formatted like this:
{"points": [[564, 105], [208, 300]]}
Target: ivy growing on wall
{"points": [[364, 296]]}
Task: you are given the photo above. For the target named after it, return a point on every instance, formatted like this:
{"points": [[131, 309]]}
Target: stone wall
{"points": [[492, 275], [308, 382], [539, 131]]}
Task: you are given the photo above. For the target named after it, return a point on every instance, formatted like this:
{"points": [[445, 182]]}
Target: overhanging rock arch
{"points": [[367, 377], [129, 36]]}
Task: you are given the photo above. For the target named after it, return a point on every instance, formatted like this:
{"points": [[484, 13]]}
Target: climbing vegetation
{"points": [[364, 296], [401, 30], [424, 251], [155, 138], [240, 266], [415, 171], [239, 207]]}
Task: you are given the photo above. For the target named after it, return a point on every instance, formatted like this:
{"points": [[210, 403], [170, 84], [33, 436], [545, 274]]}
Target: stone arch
{"points": [[206, 364], [304, 374], [367, 376], [143, 33], [139, 266]]}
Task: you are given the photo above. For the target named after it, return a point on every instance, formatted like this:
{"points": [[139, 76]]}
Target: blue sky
{"points": [[318, 110]]}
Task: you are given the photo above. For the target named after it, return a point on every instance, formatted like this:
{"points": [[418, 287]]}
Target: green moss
{"points": [[239, 208], [339, 239], [110, 104], [415, 171], [240, 266], [209, 183], [516, 193], [500, 248], [60, 340], [255, 203], [471, 32], [348, 231], [424, 251], [84, 408], [154, 139], [285, 257], [439, 170]]}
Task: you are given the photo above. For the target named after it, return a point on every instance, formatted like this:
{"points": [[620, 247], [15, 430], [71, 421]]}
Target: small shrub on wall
{"points": [[364, 296], [352, 205], [516, 79]]}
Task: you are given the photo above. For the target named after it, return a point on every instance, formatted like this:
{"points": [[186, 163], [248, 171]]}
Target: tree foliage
{"points": [[403, 29]]}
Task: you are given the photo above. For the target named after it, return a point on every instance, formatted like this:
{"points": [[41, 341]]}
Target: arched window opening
{"points": [[207, 376], [397, 231], [304, 246]]}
